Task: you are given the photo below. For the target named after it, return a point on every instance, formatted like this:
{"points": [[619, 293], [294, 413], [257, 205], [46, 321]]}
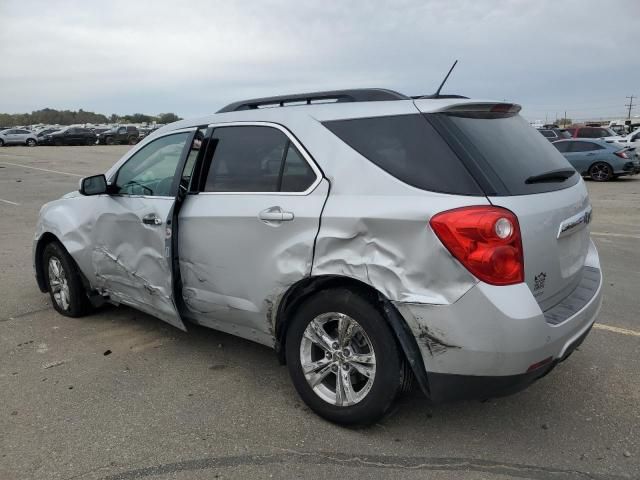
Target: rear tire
{"points": [[1, 143], [133, 140], [353, 377], [601, 172], [63, 281], [31, 142]]}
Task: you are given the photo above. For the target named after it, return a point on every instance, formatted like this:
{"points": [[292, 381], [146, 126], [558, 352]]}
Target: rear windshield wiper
{"points": [[552, 176]]}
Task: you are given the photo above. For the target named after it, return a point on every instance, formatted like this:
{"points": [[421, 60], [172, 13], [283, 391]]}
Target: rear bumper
{"points": [[496, 340]]}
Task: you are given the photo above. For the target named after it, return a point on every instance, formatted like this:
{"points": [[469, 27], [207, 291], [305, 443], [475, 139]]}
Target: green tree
{"points": [[168, 118]]}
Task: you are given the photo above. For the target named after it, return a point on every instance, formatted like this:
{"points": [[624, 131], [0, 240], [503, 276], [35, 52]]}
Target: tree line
{"points": [[51, 116]]}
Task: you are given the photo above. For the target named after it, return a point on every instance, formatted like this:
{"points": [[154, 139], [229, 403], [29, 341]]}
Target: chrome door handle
{"points": [[151, 219], [275, 214]]}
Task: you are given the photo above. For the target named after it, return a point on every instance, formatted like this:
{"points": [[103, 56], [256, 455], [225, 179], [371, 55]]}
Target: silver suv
{"points": [[372, 239]]}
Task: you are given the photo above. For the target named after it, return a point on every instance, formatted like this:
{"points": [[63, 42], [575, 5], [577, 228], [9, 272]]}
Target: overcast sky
{"points": [[193, 57]]}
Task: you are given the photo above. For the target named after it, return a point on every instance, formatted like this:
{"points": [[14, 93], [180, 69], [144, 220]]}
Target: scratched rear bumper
{"points": [[495, 340]]}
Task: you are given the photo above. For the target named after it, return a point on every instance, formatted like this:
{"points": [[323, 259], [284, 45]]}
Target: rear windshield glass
{"points": [[409, 148], [503, 153]]}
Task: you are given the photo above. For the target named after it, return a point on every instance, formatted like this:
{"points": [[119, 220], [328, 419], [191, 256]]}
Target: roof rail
{"points": [[438, 96], [354, 95]]}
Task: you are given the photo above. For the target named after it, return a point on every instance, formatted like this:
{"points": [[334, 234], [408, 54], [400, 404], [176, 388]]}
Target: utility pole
{"points": [[630, 105]]}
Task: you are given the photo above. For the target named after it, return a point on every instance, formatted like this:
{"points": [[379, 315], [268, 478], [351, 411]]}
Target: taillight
{"points": [[485, 239], [621, 154]]}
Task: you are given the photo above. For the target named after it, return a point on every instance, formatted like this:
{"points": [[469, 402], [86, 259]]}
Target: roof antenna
{"points": [[437, 94]]}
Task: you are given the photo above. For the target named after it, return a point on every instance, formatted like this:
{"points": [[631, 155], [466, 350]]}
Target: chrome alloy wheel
{"points": [[58, 283], [338, 359]]}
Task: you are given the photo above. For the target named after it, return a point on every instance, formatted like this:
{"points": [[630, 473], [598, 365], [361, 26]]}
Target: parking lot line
{"points": [[621, 235], [9, 202], [42, 169], [622, 331]]}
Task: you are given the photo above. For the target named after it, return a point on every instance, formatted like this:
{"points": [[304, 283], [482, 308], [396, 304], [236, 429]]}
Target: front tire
{"points": [[62, 277], [601, 172], [343, 358], [109, 141]]}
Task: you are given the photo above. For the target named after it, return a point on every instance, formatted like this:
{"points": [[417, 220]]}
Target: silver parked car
{"points": [[18, 136], [370, 238]]}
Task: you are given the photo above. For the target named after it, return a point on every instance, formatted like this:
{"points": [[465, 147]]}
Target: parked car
{"points": [[70, 136], [127, 135], [599, 160], [593, 132], [554, 134], [373, 241], [43, 133], [17, 136], [631, 140]]}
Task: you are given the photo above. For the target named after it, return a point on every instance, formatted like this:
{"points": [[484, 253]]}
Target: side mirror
{"points": [[94, 185]]}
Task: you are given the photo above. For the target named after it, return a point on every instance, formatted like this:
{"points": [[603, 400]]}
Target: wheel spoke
{"points": [[313, 367], [317, 377], [318, 336], [363, 370], [349, 394], [340, 394], [345, 330], [365, 358]]}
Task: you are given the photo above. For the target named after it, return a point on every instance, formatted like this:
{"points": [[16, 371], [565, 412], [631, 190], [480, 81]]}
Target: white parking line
{"points": [[622, 235], [42, 169], [7, 201], [622, 331]]}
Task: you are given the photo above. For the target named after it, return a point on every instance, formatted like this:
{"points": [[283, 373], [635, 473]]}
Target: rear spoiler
{"points": [[481, 110]]}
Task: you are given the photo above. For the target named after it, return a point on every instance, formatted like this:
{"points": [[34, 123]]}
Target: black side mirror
{"points": [[94, 185]]}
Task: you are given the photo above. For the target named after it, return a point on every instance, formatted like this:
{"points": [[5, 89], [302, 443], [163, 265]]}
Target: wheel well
{"points": [[304, 289], [44, 240]]}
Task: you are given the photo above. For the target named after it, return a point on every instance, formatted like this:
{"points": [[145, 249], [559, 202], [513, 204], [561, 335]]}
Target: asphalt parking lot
{"points": [[121, 395]]}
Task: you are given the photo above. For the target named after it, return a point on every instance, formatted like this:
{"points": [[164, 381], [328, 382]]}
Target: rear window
{"points": [[503, 153], [409, 148]]}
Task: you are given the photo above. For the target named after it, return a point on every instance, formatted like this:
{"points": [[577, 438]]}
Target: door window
{"points": [[256, 159], [150, 171], [562, 147]]}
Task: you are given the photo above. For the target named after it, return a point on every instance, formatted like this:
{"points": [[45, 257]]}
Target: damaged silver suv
{"points": [[372, 239]]}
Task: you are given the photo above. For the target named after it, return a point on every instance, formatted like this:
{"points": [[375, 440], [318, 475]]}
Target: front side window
{"points": [[150, 171], [548, 133], [256, 159]]}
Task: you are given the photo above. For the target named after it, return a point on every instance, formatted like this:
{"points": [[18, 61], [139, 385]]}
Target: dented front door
{"points": [[131, 237]]}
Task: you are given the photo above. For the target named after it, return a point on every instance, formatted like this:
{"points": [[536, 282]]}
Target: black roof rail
{"points": [[354, 95], [438, 96]]}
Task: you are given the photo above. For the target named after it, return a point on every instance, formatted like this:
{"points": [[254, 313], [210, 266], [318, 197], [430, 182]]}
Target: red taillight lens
{"points": [[621, 154], [485, 239]]}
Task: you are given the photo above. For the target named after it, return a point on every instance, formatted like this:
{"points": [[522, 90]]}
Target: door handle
{"points": [[275, 214], [151, 219]]}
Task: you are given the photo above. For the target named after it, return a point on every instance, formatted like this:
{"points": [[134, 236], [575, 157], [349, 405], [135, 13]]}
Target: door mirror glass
{"points": [[94, 185]]}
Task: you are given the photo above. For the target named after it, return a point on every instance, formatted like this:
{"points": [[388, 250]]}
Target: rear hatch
{"points": [[520, 170]]}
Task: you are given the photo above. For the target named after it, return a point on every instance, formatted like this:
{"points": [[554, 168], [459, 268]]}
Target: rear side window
{"points": [[256, 159], [562, 146], [584, 146], [410, 149], [503, 153], [548, 133]]}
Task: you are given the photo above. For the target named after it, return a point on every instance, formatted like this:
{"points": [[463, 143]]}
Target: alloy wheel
{"points": [[338, 359], [58, 283]]}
